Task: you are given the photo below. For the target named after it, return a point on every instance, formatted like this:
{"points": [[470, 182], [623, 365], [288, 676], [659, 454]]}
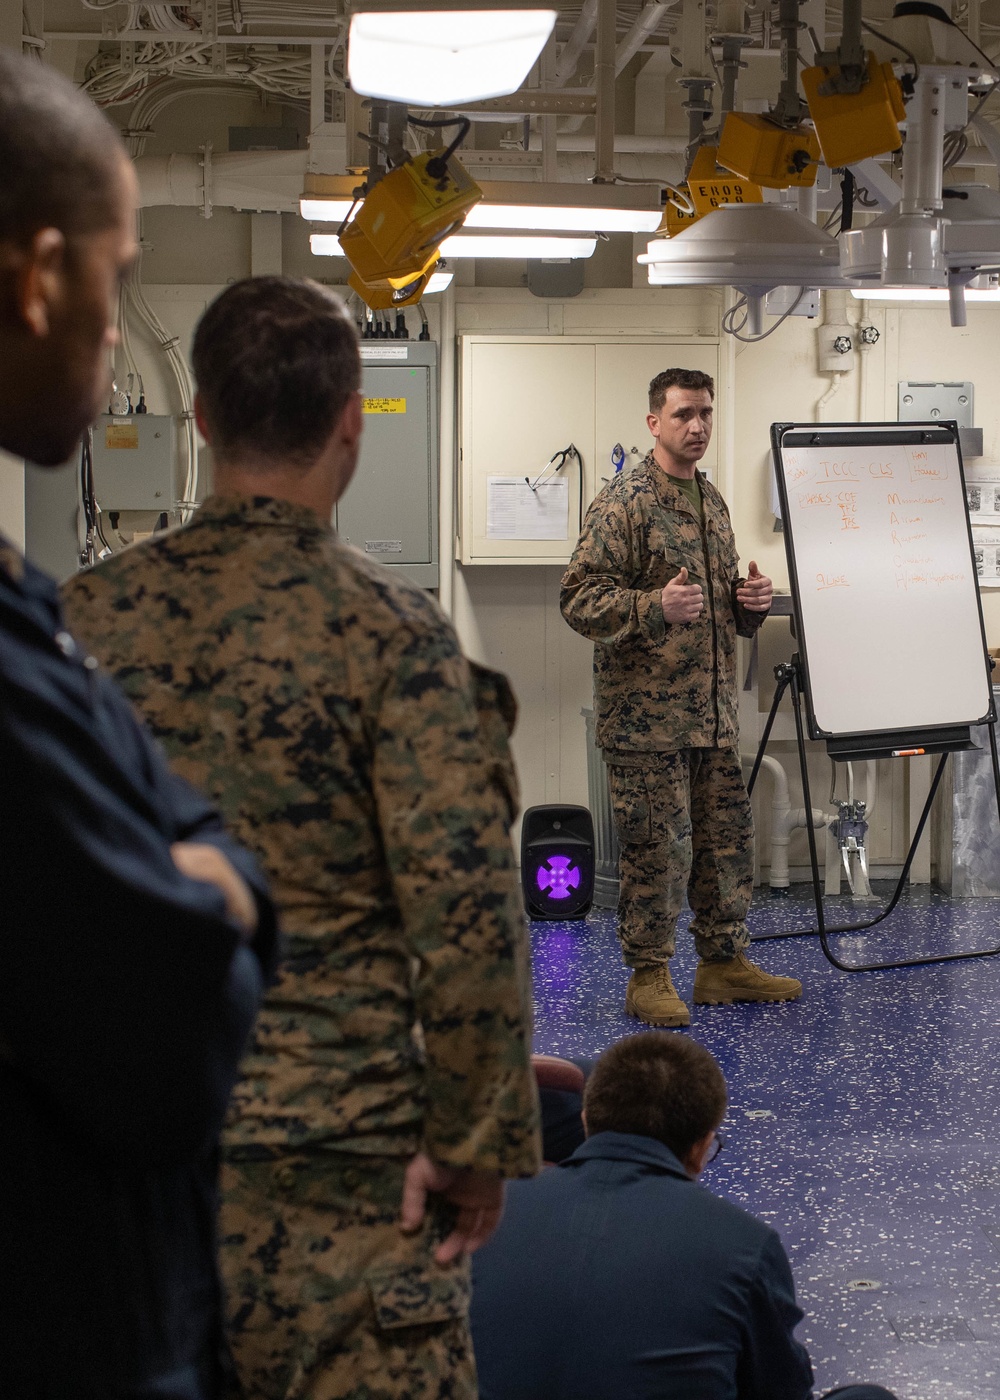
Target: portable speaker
{"points": [[557, 862]]}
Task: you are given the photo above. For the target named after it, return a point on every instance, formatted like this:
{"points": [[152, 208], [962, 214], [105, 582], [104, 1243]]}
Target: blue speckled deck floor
{"points": [[864, 1124]]}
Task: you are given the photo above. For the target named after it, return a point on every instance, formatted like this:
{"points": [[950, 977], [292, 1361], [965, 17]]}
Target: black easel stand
{"points": [[789, 677]]}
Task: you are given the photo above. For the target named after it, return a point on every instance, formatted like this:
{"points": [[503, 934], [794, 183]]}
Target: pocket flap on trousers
{"points": [[415, 1294]]}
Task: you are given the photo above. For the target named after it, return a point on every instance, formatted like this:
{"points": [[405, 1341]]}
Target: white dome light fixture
{"points": [[752, 247], [923, 243], [894, 252]]}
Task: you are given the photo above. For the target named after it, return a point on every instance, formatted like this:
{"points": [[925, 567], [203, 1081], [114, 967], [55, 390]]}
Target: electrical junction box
{"points": [[134, 461], [390, 509], [792, 301]]}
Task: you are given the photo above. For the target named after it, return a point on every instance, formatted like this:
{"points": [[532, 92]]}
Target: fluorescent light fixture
{"points": [[478, 245], [325, 245], [325, 211], [877, 293], [519, 204], [527, 245], [438, 282], [567, 219], [329, 198], [442, 56]]}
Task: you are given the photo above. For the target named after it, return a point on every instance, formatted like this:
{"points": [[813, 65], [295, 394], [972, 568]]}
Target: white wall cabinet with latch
{"points": [[525, 399]]}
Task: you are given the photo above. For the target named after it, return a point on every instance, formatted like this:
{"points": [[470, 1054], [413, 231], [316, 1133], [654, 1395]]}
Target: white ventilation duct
{"points": [[271, 181], [261, 181]]}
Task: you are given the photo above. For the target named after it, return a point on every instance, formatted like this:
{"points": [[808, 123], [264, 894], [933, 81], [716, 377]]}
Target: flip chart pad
{"points": [[890, 628]]}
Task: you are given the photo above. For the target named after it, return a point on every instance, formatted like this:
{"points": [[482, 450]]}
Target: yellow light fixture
{"points": [[759, 149], [401, 222], [853, 126], [458, 51], [394, 291], [710, 188]]}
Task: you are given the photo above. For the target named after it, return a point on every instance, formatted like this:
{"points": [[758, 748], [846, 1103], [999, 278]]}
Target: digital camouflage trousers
{"points": [[326, 1298], [684, 826]]}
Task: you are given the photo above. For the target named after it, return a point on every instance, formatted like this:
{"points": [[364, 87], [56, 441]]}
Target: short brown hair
{"points": [[276, 360], [659, 1086], [677, 379]]}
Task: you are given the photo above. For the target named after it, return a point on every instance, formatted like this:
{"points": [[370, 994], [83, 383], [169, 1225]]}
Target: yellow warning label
{"points": [[385, 405], [121, 435]]}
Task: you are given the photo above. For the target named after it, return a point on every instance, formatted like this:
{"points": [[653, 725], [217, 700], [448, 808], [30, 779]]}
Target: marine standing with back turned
{"points": [[327, 706], [654, 583], [135, 935]]}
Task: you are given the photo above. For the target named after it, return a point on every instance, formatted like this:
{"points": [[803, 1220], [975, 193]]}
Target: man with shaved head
{"points": [[135, 936]]}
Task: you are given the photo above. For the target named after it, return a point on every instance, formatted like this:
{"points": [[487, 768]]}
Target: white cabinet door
{"points": [[525, 398], [523, 401]]}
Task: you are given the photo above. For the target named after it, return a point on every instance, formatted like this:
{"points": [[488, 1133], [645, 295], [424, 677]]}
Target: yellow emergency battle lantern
{"points": [[759, 149], [675, 220], [709, 188], [400, 225], [394, 292], [852, 126]]}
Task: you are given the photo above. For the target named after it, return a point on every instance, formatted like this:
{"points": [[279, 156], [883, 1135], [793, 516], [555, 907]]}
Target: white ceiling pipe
{"points": [[624, 141], [577, 166], [647, 24], [576, 43], [265, 181]]}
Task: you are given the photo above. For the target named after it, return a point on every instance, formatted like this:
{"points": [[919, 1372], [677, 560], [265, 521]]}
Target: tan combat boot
{"points": [[651, 997], [738, 979]]}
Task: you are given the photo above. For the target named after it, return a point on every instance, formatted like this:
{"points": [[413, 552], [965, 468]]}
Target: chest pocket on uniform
{"points": [[683, 548]]}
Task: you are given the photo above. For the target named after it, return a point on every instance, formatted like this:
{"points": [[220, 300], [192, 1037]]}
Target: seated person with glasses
{"points": [[614, 1275]]}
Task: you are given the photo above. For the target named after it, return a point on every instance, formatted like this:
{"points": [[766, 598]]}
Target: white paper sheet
{"points": [[982, 491], [515, 511], [986, 547]]}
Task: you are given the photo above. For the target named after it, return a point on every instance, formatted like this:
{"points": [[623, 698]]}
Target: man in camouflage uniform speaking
{"points": [[654, 583], [326, 705]]}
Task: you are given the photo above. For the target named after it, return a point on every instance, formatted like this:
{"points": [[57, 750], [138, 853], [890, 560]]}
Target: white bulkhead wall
{"points": [[508, 616]]}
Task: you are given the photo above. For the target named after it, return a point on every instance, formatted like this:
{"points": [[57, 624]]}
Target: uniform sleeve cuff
{"points": [[651, 621]]}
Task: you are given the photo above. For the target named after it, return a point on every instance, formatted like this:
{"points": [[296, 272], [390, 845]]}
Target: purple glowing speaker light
{"points": [[558, 877]]}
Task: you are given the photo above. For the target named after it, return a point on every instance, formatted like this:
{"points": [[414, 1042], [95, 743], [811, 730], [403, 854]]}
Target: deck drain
{"points": [[758, 1113], [864, 1285]]}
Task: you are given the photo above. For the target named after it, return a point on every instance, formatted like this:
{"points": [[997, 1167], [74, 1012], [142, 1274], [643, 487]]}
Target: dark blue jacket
{"points": [[615, 1277], [126, 997]]}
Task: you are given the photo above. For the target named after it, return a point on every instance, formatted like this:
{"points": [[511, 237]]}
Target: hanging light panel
{"points": [[442, 56]]}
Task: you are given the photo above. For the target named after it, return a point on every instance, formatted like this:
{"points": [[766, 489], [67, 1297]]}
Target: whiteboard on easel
{"points": [[889, 623]]}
